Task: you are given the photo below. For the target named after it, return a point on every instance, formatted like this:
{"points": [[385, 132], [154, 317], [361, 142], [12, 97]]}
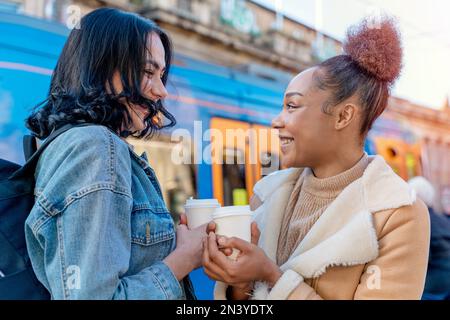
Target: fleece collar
{"points": [[344, 234]]}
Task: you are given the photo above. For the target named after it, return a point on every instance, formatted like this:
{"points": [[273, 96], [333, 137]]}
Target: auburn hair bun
{"points": [[375, 45]]}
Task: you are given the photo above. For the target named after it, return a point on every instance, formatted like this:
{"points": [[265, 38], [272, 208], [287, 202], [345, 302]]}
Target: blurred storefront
{"points": [[428, 152]]}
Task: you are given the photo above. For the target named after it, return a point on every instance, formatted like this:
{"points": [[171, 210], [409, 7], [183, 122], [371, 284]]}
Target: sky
{"points": [[425, 28]]}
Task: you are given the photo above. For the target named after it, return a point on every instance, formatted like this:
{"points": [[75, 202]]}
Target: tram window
{"points": [[177, 181], [233, 171]]}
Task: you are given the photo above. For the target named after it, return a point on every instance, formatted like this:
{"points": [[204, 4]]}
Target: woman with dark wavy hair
{"points": [[99, 228], [337, 224]]}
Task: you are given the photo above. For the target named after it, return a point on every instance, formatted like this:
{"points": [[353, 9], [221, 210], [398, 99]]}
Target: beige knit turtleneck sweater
{"points": [[309, 199]]}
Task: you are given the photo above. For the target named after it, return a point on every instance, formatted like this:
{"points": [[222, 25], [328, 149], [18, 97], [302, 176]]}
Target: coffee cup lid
{"points": [[232, 211], [205, 203]]}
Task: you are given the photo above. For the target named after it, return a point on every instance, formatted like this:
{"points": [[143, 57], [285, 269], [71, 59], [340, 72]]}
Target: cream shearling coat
{"points": [[372, 242]]}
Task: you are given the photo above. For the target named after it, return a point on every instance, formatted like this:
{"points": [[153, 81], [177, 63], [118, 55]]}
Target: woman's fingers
{"points": [[220, 241], [204, 228], [215, 254], [212, 275], [183, 219], [211, 227], [211, 269], [205, 255], [236, 243], [218, 265], [227, 251]]}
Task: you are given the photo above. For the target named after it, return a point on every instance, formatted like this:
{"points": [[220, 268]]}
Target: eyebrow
{"points": [[294, 93], [155, 64]]}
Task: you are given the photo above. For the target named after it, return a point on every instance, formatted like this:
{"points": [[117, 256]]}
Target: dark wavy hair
{"points": [[108, 41]]}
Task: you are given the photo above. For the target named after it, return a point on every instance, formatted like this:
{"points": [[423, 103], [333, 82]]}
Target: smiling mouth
{"points": [[286, 141]]}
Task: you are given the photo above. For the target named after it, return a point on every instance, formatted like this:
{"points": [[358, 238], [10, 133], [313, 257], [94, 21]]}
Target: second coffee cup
{"points": [[233, 221]]}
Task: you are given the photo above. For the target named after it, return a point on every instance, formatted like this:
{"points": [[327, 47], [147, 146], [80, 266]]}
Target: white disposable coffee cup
{"points": [[199, 211], [233, 221]]}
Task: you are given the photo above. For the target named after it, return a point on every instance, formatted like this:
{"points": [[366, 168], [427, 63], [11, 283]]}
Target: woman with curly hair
{"points": [[99, 228], [337, 224]]}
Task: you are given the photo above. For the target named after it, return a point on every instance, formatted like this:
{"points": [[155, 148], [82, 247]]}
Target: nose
{"points": [[159, 90], [278, 121]]}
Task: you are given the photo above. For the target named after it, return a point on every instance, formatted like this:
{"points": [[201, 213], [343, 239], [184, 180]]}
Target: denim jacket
{"points": [[99, 228]]}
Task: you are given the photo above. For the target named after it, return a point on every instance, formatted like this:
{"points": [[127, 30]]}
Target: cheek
{"points": [[297, 125], [146, 85], [309, 131]]}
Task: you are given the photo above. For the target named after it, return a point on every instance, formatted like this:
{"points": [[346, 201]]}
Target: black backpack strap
{"points": [[29, 146], [33, 157]]}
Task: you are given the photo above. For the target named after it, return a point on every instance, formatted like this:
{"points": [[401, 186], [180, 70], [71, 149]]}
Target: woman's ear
{"points": [[345, 115]]}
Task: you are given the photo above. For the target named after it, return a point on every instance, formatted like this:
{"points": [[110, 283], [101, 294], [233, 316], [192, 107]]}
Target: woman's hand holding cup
{"points": [[251, 264]]}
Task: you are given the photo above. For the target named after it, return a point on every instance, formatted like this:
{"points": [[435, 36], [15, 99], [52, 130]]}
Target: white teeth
{"points": [[286, 141]]}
